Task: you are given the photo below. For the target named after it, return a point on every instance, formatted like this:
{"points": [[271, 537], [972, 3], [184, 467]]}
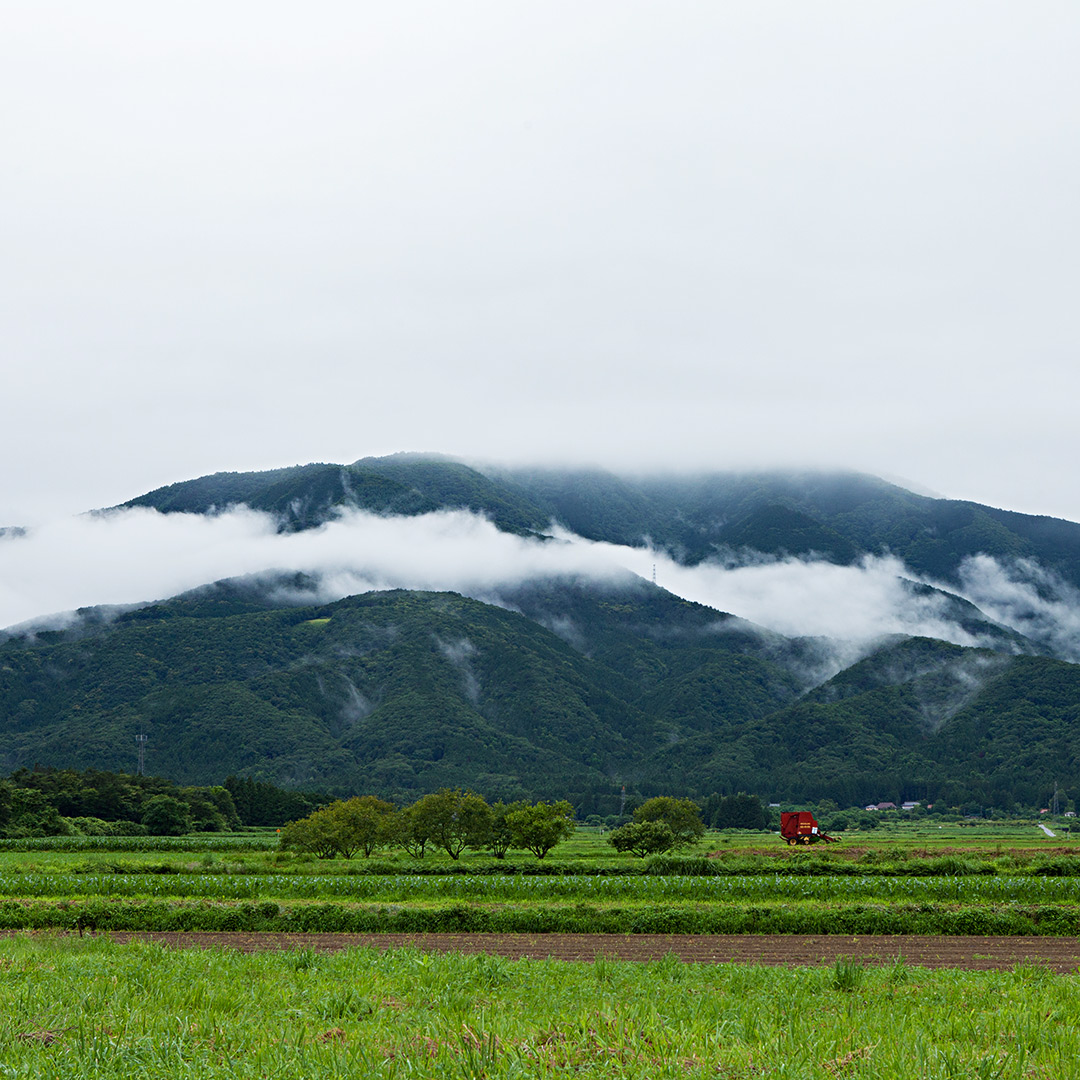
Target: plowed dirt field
{"points": [[973, 953]]}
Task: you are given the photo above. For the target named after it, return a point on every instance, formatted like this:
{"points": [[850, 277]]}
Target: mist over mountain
{"points": [[780, 548], [404, 623]]}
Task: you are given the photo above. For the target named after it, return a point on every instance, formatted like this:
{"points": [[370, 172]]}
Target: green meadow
{"points": [[91, 1008]]}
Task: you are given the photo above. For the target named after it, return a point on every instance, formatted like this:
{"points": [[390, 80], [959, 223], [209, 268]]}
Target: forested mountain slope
{"points": [[576, 692], [552, 683]]}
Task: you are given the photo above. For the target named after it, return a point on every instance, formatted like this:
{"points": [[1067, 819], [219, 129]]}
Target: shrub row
{"points": [[463, 918], [899, 866]]}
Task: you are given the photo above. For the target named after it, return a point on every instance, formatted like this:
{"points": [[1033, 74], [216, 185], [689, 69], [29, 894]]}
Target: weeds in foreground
{"points": [[848, 974]]}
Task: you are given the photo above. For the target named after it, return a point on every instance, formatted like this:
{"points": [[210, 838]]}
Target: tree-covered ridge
{"points": [[840, 517], [305, 496], [397, 692], [575, 692]]}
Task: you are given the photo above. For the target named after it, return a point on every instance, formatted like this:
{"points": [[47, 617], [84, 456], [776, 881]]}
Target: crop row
{"points": [[204, 842], [99, 914], [588, 889]]}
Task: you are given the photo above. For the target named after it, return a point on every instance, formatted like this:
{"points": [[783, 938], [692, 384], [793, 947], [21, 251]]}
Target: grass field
{"points": [[93, 1009]]}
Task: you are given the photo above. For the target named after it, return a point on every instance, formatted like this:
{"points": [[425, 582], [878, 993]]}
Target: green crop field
{"points": [[94, 1009], [988, 879]]}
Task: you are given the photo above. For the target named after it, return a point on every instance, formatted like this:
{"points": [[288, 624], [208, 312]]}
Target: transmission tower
{"points": [[141, 740]]}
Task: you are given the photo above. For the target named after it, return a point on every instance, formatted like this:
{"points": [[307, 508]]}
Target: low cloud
{"points": [[133, 556], [1027, 597]]}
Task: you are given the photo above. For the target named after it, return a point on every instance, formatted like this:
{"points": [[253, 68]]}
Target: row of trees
{"points": [[454, 821], [450, 820]]}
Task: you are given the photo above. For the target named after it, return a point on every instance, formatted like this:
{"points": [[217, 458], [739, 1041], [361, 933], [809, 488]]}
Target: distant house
{"points": [[910, 805], [882, 806]]}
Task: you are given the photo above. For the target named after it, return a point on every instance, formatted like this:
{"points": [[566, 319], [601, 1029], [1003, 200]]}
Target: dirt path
{"points": [[973, 953]]}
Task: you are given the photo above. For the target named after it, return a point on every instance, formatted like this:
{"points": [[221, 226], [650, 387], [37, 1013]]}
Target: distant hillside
{"points": [[918, 720], [577, 691]]}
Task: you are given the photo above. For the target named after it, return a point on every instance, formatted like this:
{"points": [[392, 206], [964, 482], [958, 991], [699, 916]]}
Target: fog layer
{"points": [[134, 556]]}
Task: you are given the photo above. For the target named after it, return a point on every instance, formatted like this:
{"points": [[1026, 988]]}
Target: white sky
{"points": [[244, 235]]}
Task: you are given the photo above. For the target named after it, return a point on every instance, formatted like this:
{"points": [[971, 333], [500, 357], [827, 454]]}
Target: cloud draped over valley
{"points": [[128, 557]]}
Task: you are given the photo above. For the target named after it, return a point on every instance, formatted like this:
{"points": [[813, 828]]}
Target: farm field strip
{"points": [[1061, 955], [405, 888]]}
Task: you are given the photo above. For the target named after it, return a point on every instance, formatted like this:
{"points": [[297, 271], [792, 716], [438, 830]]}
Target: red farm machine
{"points": [[799, 827]]}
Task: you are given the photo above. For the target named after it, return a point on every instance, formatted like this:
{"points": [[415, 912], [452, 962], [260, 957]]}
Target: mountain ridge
{"points": [[569, 684]]}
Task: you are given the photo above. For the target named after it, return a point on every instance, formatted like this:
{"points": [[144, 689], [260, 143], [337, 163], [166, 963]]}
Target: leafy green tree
{"points": [[315, 834], [364, 823], [681, 816], [166, 816], [739, 812], [409, 831], [343, 828], [539, 828], [643, 838], [259, 803], [454, 820], [501, 836], [28, 812]]}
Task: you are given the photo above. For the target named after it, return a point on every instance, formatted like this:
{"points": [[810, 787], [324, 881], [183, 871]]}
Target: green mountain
{"points": [[839, 517], [397, 691], [579, 690], [305, 496], [575, 686]]}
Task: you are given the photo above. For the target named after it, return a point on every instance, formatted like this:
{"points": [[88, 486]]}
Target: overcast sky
{"points": [[243, 235]]}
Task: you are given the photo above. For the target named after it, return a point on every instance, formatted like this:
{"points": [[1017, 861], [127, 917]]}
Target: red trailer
{"points": [[799, 827]]}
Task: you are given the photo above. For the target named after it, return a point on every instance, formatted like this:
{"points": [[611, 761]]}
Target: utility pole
{"points": [[141, 740]]}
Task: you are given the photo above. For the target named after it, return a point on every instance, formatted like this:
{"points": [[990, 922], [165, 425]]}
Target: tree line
{"points": [[56, 802], [454, 821], [449, 820]]}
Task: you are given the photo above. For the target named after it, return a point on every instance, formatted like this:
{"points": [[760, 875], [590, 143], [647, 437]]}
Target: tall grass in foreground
{"points": [[93, 1009]]}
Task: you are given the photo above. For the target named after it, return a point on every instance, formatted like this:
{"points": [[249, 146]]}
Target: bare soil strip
{"points": [[1060, 954]]}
